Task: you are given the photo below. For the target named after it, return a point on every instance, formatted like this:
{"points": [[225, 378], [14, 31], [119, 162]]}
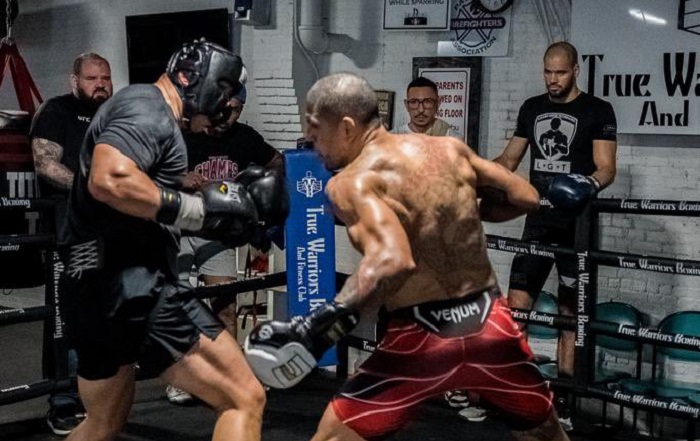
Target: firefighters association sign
{"points": [[474, 32]]}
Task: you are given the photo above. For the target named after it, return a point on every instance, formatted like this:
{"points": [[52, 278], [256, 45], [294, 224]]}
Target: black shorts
{"points": [[529, 273], [132, 314]]}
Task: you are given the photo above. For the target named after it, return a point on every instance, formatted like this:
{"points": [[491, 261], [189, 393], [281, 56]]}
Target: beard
{"points": [[92, 100], [563, 92]]}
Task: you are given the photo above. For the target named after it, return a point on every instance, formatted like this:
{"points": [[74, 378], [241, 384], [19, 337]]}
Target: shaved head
{"points": [[562, 48], [343, 94]]}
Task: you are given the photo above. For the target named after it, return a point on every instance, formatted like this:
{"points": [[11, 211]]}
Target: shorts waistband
{"points": [[408, 311]]}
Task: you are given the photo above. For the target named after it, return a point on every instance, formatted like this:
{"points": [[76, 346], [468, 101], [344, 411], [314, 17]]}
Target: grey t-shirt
{"points": [[139, 123]]}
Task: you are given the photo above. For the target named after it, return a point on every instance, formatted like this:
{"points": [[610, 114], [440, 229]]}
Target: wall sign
{"points": [[459, 88], [430, 15], [476, 32], [653, 84]]}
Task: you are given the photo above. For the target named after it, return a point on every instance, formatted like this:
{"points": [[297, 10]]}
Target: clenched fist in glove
{"points": [[221, 210], [269, 191], [572, 192], [281, 354]]}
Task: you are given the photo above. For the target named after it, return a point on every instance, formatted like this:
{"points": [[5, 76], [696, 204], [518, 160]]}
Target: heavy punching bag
{"points": [[20, 266]]}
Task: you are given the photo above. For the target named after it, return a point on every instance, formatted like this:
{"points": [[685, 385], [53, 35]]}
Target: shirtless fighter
{"points": [[410, 203]]}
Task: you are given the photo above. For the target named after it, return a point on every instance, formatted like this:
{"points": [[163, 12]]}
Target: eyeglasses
{"points": [[427, 103]]}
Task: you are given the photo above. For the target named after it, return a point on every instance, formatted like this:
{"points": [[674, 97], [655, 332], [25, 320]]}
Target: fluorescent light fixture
{"points": [[646, 17]]}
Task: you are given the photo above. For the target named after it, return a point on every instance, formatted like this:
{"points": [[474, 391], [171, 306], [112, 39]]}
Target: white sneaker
{"points": [[473, 414], [457, 398], [566, 424], [178, 396]]}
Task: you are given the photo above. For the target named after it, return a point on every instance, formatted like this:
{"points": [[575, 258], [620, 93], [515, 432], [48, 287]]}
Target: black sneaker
{"points": [[63, 419]]}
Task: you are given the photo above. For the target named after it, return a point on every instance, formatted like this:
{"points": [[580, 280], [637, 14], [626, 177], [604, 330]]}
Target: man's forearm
{"points": [[499, 211], [604, 177], [57, 175], [47, 161]]}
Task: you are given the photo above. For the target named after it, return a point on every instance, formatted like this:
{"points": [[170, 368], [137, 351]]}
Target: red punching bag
{"points": [[20, 266]]}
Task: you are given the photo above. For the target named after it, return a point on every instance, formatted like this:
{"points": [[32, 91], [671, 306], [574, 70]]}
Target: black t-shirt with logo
{"points": [[64, 120], [222, 157], [138, 122], [560, 137]]}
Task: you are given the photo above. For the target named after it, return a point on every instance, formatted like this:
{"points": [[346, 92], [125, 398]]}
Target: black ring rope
{"points": [[630, 206], [647, 206], [16, 242], [641, 334], [24, 315], [239, 286], [19, 204]]}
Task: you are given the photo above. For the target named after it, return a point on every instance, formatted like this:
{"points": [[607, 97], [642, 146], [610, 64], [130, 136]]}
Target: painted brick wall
{"points": [[51, 32], [644, 170]]}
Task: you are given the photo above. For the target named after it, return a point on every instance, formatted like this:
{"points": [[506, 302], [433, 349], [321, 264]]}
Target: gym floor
{"points": [[291, 415]]}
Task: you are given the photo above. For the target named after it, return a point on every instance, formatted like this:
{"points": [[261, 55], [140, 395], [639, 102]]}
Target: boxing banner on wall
{"points": [[475, 32], [310, 236], [654, 85]]}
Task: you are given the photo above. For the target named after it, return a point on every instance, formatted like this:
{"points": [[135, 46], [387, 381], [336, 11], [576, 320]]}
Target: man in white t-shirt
{"points": [[422, 103]]}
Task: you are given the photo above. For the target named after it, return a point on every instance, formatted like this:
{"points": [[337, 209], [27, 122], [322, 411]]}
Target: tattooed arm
{"points": [[47, 161]]}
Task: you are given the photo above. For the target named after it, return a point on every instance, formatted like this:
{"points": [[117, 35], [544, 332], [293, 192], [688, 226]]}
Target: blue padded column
{"points": [[310, 238]]}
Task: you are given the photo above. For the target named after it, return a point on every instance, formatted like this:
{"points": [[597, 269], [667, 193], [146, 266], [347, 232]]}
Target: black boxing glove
{"points": [[221, 210], [250, 174], [269, 191], [572, 192], [281, 354]]}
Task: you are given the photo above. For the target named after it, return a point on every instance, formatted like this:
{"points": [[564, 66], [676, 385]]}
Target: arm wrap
{"points": [[595, 182], [180, 209]]}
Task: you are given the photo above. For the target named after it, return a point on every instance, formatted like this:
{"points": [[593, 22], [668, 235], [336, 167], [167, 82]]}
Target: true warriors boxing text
{"points": [[308, 268]]}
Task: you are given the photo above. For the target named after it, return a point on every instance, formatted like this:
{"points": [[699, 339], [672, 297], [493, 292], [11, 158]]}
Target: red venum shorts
{"points": [[414, 362]]}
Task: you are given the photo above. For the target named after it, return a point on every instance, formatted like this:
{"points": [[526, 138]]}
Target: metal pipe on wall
{"points": [[312, 35]]}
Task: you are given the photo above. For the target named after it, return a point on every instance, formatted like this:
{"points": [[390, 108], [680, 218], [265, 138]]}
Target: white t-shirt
{"points": [[439, 128]]}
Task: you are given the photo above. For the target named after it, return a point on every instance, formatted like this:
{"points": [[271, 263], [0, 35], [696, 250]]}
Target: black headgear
{"points": [[215, 75]]}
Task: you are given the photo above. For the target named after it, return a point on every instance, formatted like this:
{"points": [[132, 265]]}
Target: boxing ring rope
{"points": [[584, 323], [50, 313]]}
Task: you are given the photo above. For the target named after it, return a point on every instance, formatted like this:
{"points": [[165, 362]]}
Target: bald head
{"points": [[343, 94], [562, 49]]}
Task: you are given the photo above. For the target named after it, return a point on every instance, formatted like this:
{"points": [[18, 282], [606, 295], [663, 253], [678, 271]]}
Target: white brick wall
{"points": [[51, 32]]}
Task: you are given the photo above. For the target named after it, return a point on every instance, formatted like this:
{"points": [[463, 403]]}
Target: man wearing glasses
{"points": [[218, 152], [422, 103]]}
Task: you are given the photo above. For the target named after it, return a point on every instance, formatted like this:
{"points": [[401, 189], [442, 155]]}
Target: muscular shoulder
{"points": [[58, 105], [138, 99], [457, 149], [60, 102], [142, 103], [597, 104], [349, 188]]}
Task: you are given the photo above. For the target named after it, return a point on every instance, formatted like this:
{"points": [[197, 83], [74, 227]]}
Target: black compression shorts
{"points": [[529, 273]]}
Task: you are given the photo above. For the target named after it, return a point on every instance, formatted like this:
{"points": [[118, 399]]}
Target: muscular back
{"points": [[429, 183]]}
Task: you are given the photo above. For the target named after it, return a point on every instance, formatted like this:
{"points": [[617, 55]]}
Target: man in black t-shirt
{"points": [[125, 216], [568, 132], [57, 134], [218, 152]]}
